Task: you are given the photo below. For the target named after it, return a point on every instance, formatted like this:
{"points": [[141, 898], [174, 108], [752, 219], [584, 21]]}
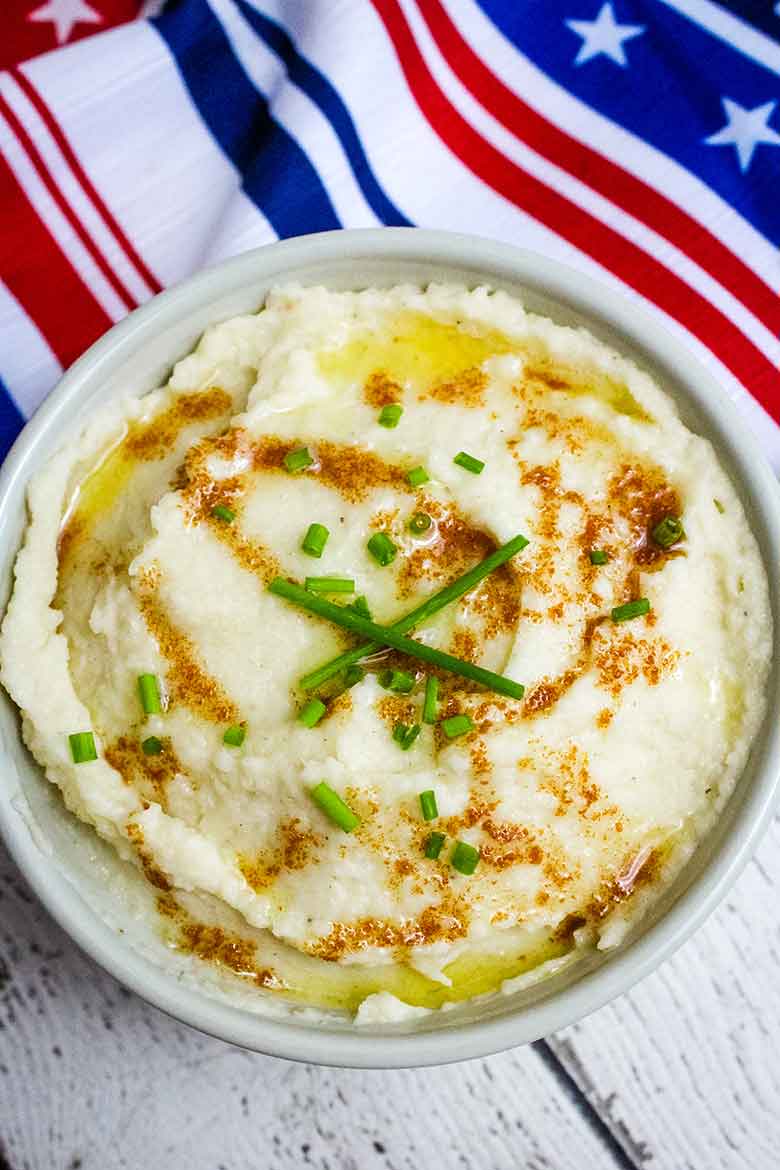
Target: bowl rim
{"points": [[364, 1047]]}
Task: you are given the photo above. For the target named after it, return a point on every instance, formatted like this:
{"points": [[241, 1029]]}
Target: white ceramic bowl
{"points": [[80, 881]]}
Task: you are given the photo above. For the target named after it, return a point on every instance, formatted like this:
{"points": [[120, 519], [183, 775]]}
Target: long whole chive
{"points": [[330, 584], [464, 857], [430, 711], [428, 806], [632, 609], [151, 746], [456, 725], [405, 736], [315, 540], [384, 636], [382, 548], [149, 691], [420, 613], [469, 463], [360, 606], [598, 556], [668, 531], [221, 512], [433, 846], [390, 415], [298, 459], [82, 747], [399, 681], [334, 807], [234, 736], [417, 476], [419, 523], [311, 712]]}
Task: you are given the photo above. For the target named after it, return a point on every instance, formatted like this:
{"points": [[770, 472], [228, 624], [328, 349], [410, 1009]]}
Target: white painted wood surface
{"points": [[684, 1072]]}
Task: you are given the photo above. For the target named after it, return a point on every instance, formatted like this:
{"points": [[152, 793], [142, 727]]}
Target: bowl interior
{"points": [[102, 901]]}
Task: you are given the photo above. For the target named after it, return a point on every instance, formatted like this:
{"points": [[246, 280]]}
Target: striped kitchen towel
{"points": [[638, 140]]}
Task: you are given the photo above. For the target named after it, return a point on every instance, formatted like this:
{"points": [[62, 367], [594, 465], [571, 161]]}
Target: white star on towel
{"points": [[745, 129], [64, 14], [603, 35]]}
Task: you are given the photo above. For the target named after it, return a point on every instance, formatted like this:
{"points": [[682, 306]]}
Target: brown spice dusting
{"points": [[148, 775], [152, 872], [188, 681], [604, 717], [467, 389], [621, 657], [351, 471], [155, 438], [380, 390], [294, 851], [642, 496], [446, 921]]}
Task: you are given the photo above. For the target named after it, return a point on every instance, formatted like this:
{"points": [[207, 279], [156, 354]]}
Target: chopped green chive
{"points": [[469, 463], [353, 675], [220, 512], [382, 548], [668, 531], [464, 857], [149, 691], [390, 415], [399, 681], [405, 736], [428, 805], [420, 614], [632, 609], [420, 522], [315, 540], [360, 607], [598, 556], [387, 636], [311, 713], [298, 459], [457, 725], [334, 807], [151, 746], [433, 846], [330, 585], [430, 712], [417, 476], [234, 736], [82, 747], [719, 506]]}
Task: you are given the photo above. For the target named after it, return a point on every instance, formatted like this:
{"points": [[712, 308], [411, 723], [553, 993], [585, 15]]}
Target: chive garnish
{"points": [[149, 691], [221, 512], [315, 540], [334, 807], [464, 857], [399, 681], [632, 609], [430, 711], [420, 522], [598, 556], [469, 463], [82, 747], [428, 805], [456, 725], [151, 746], [388, 636], [719, 506], [330, 585], [420, 613], [234, 736], [390, 415], [360, 607], [433, 845], [311, 712], [353, 675], [382, 548], [417, 476], [668, 531], [298, 459], [405, 736]]}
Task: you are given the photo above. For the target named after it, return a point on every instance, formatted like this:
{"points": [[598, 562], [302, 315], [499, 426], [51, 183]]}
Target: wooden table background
{"points": [[683, 1072]]}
